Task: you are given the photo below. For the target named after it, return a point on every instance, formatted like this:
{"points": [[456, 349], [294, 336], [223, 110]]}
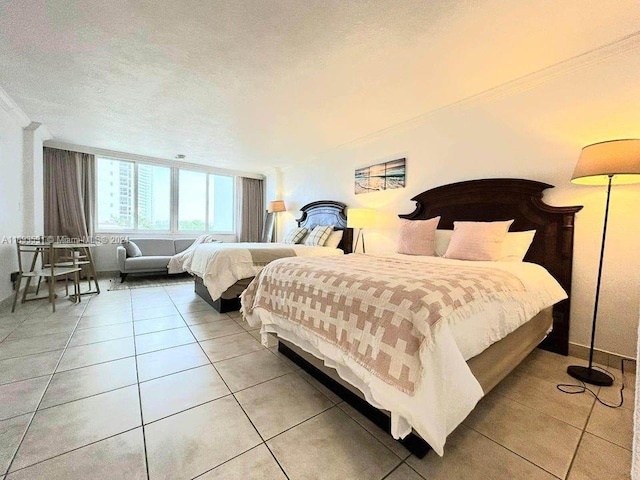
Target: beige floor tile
{"points": [[235, 314], [207, 331], [611, 395], [197, 305], [113, 309], [245, 326], [319, 386], [154, 312], [158, 324], [151, 342], [78, 423], [11, 432], [383, 437], [540, 438], [94, 353], [281, 403], [104, 319], [23, 368], [21, 397], [170, 360], [118, 457], [62, 325], [31, 346], [195, 441], [290, 363], [195, 318], [84, 382], [250, 369], [256, 464], [332, 446], [598, 459], [469, 455], [87, 336], [549, 366], [230, 346], [151, 302], [545, 397], [612, 424], [177, 392], [255, 334], [403, 472]]}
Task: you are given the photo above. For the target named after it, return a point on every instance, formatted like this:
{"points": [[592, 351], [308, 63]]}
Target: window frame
{"points": [[174, 194]]}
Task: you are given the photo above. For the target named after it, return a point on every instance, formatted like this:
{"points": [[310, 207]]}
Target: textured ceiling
{"points": [[255, 84]]}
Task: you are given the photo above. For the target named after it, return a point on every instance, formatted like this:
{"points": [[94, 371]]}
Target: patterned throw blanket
{"points": [[380, 311]]}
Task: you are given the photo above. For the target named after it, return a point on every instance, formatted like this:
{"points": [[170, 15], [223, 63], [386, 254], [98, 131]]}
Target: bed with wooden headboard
{"points": [[321, 212], [476, 200]]}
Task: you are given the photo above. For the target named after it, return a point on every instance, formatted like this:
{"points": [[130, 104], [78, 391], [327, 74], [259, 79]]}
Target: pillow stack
{"points": [[476, 241]]}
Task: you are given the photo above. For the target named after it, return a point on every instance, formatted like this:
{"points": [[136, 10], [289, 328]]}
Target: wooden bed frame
{"points": [[482, 200], [322, 212]]}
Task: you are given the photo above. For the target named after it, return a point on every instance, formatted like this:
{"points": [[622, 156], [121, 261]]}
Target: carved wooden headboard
{"points": [[328, 212], [521, 200]]}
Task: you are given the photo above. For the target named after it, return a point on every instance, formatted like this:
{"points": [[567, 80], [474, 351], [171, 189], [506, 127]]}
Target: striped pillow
{"points": [[295, 236], [477, 240], [318, 236]]}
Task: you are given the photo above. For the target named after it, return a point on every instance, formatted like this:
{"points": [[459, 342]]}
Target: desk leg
{"points": [[92, 266]]}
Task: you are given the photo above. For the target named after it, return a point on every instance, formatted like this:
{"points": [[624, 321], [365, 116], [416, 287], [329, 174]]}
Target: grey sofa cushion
{"points": [[132, 249], [148, 262], [181, 244], [156, 246]]}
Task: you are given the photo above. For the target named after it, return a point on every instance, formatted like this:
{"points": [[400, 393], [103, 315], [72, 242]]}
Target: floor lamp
{"points": [[615, 162], [276, 207], [360, 218]]}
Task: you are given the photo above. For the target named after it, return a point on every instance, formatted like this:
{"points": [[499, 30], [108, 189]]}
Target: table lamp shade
{"points": [[361, 218], [617, 158], [277, 206]]}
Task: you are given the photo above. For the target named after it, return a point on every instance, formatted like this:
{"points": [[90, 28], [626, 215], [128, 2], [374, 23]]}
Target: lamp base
{"points": [[589, 375]]}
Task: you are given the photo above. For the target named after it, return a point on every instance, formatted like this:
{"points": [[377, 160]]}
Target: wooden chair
{"points": [[50, 271]]}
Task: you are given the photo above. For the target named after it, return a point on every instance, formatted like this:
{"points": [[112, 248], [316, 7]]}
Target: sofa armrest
{"points": [[121, 256]]}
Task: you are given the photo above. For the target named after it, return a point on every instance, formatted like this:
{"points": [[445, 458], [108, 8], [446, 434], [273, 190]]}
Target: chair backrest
{"points": [[32, 249]]}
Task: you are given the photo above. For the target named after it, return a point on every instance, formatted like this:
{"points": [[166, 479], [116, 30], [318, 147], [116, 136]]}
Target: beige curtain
{"points": [[69, 193], [251, 209]]}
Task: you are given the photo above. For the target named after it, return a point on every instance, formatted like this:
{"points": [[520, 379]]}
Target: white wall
{"points": [[535, 131], [11, 196]]}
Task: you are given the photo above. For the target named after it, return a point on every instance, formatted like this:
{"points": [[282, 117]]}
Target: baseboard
{"points": [[602, 357]]}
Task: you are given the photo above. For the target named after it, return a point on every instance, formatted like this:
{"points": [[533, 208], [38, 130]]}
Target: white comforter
{"points": [[447, 391], [221, 265]]}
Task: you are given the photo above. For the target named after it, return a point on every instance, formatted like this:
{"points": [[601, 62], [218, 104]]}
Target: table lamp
{"points": [[605, 163], [360, 218]]}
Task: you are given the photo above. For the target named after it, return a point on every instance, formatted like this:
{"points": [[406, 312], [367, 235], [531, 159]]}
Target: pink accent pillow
{"points": [[418, 237], [477, 240]]}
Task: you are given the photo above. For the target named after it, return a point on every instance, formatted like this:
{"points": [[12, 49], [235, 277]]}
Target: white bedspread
{"points": [[447, 391], [221, 265]]}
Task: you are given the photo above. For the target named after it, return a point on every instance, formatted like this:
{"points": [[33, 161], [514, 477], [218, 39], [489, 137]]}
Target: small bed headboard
{"points": [[328, 212], [497, 199]]}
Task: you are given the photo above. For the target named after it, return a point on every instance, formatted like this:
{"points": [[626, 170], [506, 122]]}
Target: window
{"points": [[154, 197], [134, 196], [192, 204], [115, 216], [221, 211]]}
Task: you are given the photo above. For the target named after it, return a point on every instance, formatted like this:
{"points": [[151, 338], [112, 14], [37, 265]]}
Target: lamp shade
{"points": [[361, 218], [617, 158], [277, 206]]}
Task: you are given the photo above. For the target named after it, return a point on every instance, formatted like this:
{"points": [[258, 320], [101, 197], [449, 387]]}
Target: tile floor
{"points": [[152, 383]]}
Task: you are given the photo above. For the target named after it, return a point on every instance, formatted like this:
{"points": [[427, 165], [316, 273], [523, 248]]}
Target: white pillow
{"points": [[443, 237], [334, 239], [516, 245], [478, 241], [295, 235], [318, 236]]}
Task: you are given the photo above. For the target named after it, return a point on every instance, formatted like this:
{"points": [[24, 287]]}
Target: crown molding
{"points": [[102, 152], [7, 103]]}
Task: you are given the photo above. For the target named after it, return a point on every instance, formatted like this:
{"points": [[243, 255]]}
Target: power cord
{"points": [[573, 389]]}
